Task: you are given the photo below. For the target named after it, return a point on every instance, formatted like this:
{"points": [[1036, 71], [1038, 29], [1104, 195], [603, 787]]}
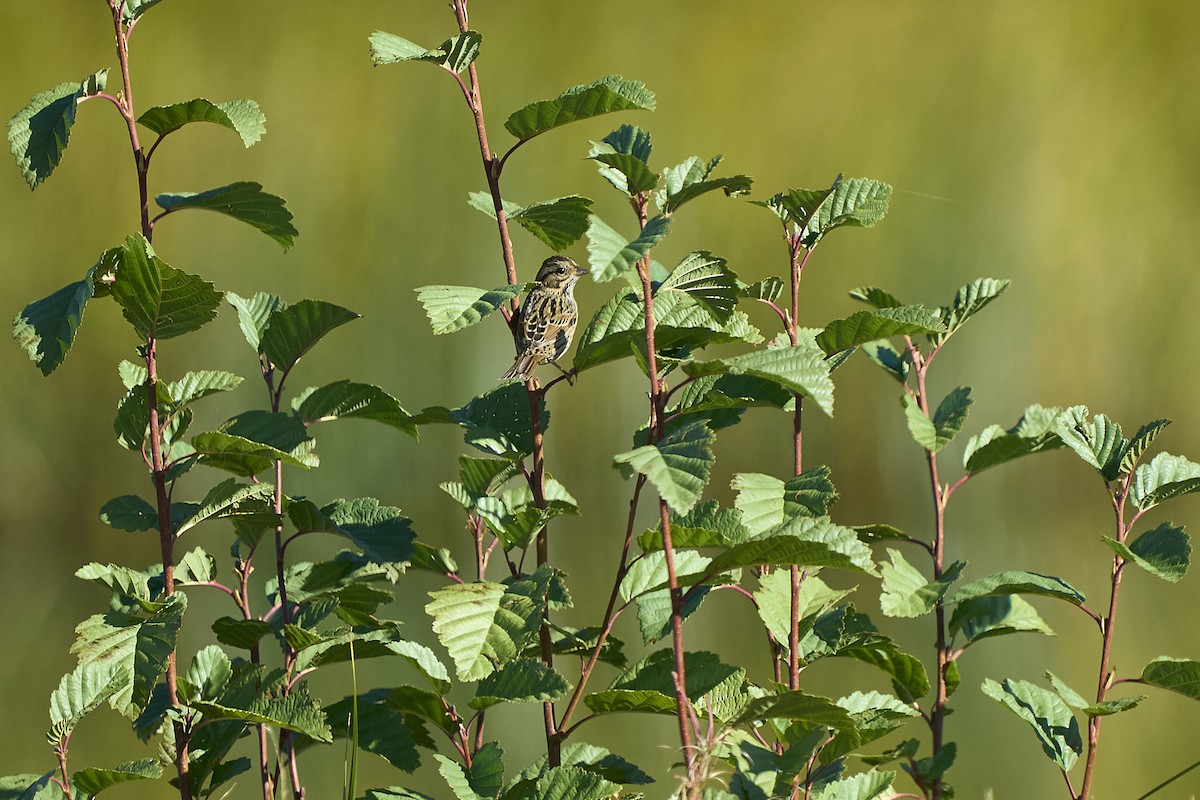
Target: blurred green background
{"points": [[1051, 143]]}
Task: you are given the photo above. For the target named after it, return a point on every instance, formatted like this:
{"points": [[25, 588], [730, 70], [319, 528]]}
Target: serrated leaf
{"points": [[801, 541], [293, 330], [245, 201], [349, 400], [650, 572], [797, 706], [1163, 477], [626, 171], [240, 455], [678, 467], [869, 326], [559, 223], [94, 780], [968, 301], [83, 690], [1018, 582], [731, 186], [1164, 551], [909, 678], [1034, 432], [39, 132], [132, 9], [1175, 674], [241, 633], [243, 117], [768, 289], [572, 783], [129, 513], [706, 278], [766, 502], [524, 680], [1052, 721], [1098, 441], [907, 593], [456, 778], [196, 566], [496, 422], [1136, 446], [294, 712], [773, 601], [222, 499], [452, 308], [381, 728], [991, 615], [610, 255], [801, 369], [158, 300], [455, 54], [895, 362], [382, 532], [606, 95], [875, 296], [864, 786], [140, 646]]}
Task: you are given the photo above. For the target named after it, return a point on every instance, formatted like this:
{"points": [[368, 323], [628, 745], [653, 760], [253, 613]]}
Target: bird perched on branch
{"points": [[547, 318]]}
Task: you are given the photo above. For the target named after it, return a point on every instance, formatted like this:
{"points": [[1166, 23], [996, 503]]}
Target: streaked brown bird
{"points": [[548, 318]]}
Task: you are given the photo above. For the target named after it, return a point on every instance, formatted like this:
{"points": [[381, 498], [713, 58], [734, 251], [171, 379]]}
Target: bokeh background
{"points": [[1053, 143]]}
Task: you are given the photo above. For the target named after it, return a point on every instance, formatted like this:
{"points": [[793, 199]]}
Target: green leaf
{"points": [[572, 783], [1051, 719], [968, 301], [455, 54], [935, 433], [524, 680], [706, 278], [1098, 441], [452, 308], [132, 9], [906, 593], [254, 313], [138, 646], [95, 780], [1164, 477], [241, 633], [1034, 432], [243, 117], [991, 615], [158, 300], [650, 572], [382, 532], [909, 678], [864, 786], [1164, 551], [797, 706], [495, 422], [860, 202], [294, 712], [81, 691], [349, 400], [196, 566], [875, 296], [768, 290], [382, 729], [559, 223], [456, 778], [689, 180], [610, 255], [244, 201], [592, 758], [207, 675], [240, 455], [1175, 674], [224, 499], [293, 330], [705, 673], [678, 467], [801, 369], [801, 541], [1136, 446], [896, 363], [773, 601], [606, 95], [767, 502], [394, 793], [1018, 582], [129, 513], [46, 328], [627, 172], [38, 133], [868, 326]]}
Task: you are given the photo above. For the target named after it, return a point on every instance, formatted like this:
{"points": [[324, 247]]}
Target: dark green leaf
{"points": [[1164, 551], [382, 532], [606, 95], [95, 780], [455, 54], [157, 299], [968, 301], [1176, 674], [348, 400], [244, 201], [991, 615], [524, 680], [495, 422], [293, 330], [572, 783], [731, 186], [38, 133], [1051, 719], [627, 172], [935, 433], [706, 278], [254, 313], [46, 328], [1034, 432], [243, 117], [294, 712], [241, 633], [224, 499], [1018, 582], [868, 326], [129, 513], [802, 369]]}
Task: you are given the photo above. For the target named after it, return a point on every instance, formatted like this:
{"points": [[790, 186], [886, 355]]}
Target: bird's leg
{"points": [[570, 376]]}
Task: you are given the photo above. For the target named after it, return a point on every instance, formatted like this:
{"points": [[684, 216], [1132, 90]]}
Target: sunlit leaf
{"points": [[1163, 477], [1176, 674], [934, 433], [1164, 551], [158, 300], [452, 308], [907, 593], [678, 467], [610, 255], [243, 117], [455, 54], [968, 301], [38, 133], [992, 615], [606, 95], [802, 369], [868, 326], [254, 313], [1052, 721], [94, 780], [524, 680], [244, 201], [1037, 430], [1018, 582]]}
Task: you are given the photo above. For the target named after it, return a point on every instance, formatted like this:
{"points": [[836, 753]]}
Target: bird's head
{"points": [[559, 272]]}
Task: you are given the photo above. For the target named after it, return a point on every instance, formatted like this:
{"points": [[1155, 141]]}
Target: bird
{"points": [[547, 318]]}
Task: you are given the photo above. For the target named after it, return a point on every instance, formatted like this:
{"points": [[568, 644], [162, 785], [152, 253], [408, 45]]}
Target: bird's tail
{"points": [[521, 368]]}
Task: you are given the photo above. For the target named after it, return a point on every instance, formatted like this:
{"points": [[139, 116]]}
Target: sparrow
{"points": [[547, 318]]}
